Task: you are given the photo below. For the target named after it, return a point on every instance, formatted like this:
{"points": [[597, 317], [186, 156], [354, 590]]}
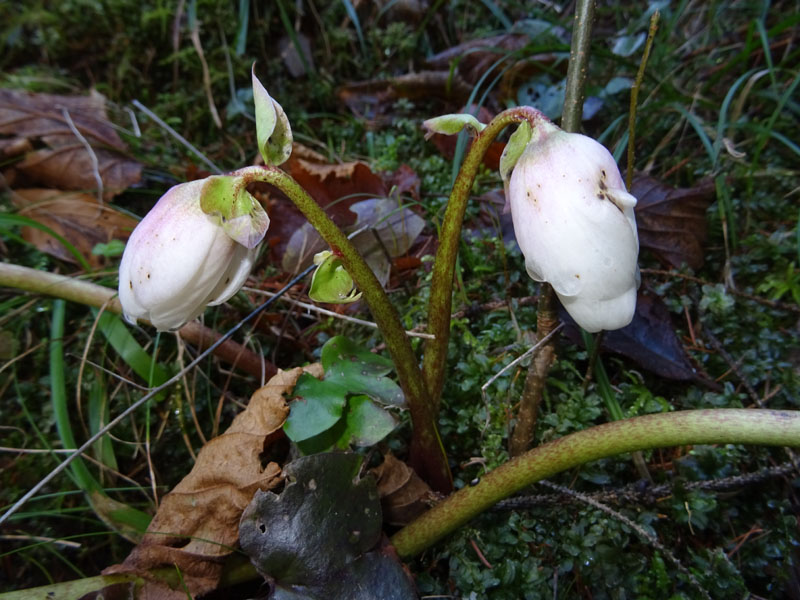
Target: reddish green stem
{"points": [[427, 453], [440, 304]]}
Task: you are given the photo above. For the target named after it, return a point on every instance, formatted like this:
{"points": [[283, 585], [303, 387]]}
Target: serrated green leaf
{"points": [[317, 407], [360, 371], [366, 423]]}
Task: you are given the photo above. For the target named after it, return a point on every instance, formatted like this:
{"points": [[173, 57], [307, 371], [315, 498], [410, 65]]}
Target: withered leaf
{"points": [[65, 162], [197, 524], [76, 216], [649, 340], [404, 495], [319, 538], [672, 221]]}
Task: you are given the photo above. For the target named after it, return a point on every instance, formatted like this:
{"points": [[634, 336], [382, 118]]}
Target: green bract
{"points": [[331, 282], [452, 124], [272, 127]]}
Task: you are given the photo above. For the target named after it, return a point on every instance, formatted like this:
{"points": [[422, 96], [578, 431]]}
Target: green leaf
{"points": [[315, 541], [367, 423], [273, 131], [317, 407], [331, 281], [360, 371], [452, 124]]}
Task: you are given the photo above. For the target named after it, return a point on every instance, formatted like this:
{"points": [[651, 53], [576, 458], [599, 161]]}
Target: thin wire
{"points": [[174, 379]]}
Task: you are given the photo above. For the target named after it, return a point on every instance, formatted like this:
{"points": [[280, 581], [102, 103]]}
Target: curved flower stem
{"points": [[546, 317], [440, 304], [716, 426], [427, 453]]}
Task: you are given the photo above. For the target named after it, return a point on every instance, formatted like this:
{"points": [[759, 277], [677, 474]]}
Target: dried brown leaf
{"points": [[672, 221], [197, 524], [404, 496], [76, 216], [66, 163]]}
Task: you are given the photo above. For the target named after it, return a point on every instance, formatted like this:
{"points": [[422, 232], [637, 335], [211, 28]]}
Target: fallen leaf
{"points": [[65, 163], [649, 340], [373, 99], [319, 538], [197, 524], [672, 221], [404, 495], [76, 216]]}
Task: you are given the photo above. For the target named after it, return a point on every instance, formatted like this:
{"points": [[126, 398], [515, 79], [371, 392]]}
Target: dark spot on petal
{"points": [[601, 196], [603, 185], [148, 275], [603, 172], [224, 220], [227, 280], [130, 284]]}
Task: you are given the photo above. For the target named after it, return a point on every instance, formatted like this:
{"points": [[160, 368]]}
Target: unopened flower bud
{"points": [[575, 225], [179, 259]]}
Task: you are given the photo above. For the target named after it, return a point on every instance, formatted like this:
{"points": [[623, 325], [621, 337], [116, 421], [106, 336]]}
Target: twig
{"points": [[92, 156], [116, 420], [636, 494], [638, 529], [214, 168], [532, 350]]}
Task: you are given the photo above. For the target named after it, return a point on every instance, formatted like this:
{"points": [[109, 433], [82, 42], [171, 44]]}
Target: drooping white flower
{"points": [[179, 259], [575, 225]]}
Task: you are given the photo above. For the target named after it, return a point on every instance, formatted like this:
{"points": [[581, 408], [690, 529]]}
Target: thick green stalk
{"points": [[717, 426], [427, 453], [440, 304]]}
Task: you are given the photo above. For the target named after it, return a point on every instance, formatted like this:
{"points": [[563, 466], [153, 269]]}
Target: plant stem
{"points": [[546, 321], [546, 317], [98, 296], [715, 426], [578, 66], [427, 452], [637, 84], [440, 304]]}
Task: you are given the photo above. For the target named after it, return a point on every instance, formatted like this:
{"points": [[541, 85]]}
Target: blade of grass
{"points": [[353, 16], [26, 222], [287, 26], [241, 32], [698, 127], [498, 13], [58, 396], [130, 351]]}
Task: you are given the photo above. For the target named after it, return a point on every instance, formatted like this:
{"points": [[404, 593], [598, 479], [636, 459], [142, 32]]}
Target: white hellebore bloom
{"points": [[575, 225], [178, 260]]}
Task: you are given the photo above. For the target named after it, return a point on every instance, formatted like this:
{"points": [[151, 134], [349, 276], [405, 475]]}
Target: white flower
{"points": [[575, 225], [178, 260]]}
